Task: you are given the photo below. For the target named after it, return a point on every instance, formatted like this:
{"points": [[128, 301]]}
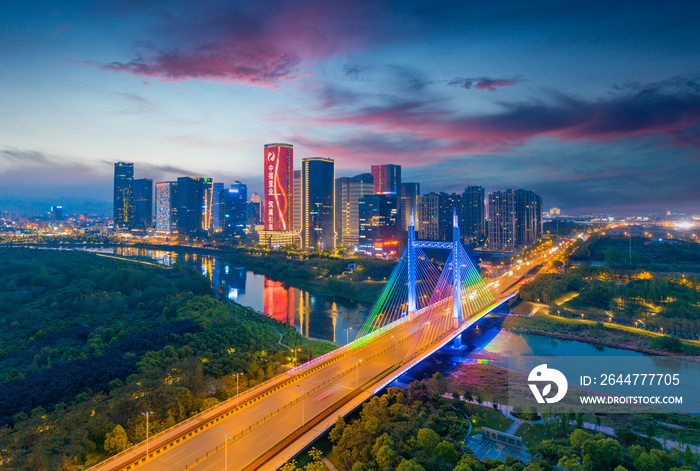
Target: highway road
{"points": [[264, 423]]}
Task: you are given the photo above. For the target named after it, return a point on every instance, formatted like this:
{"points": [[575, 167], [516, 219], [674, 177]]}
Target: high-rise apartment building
{"points": [[123, 195], [318, 208], [278, 211], [143, 204], [409, 199], [473, 216], [348, 191], [166, 207], [194, 205], [217, 203], [387, 179], [434, 215], [254, 211], [502, 220], [378, 226]]}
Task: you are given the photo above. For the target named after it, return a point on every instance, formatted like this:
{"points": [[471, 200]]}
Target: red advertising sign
{"points": [[279, 187]]}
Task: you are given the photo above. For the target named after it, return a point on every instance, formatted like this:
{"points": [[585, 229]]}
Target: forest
{"points": [[89, 342]]}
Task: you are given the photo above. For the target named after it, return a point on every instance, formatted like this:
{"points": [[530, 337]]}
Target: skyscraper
{"points": [[473, 216], [318, 205], [502, 220], [298, 187], [377, 218], [409, 199], [525, 217], [217, 209], [166, 207], [278, 161], [194, 201], [123, 195], [143, 204], [254, 210], [348, 191], [387, 179]]}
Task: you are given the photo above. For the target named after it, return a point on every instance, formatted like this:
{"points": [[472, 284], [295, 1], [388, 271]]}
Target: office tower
{"points": [[194, 201], [378, 227], [348, 191], [318, 205], [502, 220], [234, 212], [538, 215], [526, 217], [473, 216], [278, 161], [409, 199], [298, 187], [217, 210], [143, 204], [123, 198], [387, 179], [166, 207]]}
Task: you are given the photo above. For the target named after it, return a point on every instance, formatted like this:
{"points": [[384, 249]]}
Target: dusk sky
{"points": [[594, 105]]}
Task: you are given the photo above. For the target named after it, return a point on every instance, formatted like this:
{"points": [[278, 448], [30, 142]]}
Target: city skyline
{"points": [[595, 107]]}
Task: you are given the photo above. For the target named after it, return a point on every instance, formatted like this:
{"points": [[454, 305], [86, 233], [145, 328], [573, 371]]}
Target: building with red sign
{"points": [[278, 209]]}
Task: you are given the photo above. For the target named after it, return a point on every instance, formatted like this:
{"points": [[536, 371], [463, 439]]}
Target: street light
{"points": [[347, 335], [397, 348], [226, 438], [303, 391], [357, 371], [237, 390], [146, 414]]}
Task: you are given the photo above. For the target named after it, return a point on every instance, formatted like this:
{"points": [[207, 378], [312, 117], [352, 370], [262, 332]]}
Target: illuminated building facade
{"points": [[217, 210], [378, 227], [278, 211], [254, 211], [194, 205], [298, 186], [123, 196], [348, 191], [279, 238], [473, 215], [233, 209], [502, 220], [143, 204], [166, 207], [318, 204]]}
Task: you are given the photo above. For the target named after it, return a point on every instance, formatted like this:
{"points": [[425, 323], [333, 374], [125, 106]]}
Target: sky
{"points": [[595, 105]]}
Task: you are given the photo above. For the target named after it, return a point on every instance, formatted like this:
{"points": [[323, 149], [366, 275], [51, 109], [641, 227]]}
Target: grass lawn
{"points": [[487, 417], [533, 434]]}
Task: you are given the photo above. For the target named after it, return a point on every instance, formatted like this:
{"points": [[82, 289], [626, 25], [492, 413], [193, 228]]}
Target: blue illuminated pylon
{"points": [[411, 259], [456, 281]]}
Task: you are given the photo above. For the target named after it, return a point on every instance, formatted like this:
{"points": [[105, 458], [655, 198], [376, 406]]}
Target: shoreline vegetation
{"points": [[318, 274]]}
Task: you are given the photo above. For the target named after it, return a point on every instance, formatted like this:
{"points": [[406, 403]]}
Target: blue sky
{"points": [[596, 106]]}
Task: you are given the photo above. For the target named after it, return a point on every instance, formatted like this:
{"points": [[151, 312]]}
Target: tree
{"points": [[446, 451], [427, 439], [601, 454], [409, 465], [116, 441], [648, 462], [579, 437]]}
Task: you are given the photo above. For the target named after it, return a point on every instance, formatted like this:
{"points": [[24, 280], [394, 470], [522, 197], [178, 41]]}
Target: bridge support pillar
{"points": [[411, 260]]}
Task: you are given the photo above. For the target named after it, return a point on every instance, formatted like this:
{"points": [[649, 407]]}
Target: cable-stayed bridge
{"points": [[420, 310]]}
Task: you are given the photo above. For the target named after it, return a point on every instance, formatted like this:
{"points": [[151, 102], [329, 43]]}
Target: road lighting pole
{"points": [[226, 438], [237, 390], [357, 371], [347, 335], [146, 414], [302, 403]]}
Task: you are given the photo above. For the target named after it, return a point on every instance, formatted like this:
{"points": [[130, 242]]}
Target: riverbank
{"points": [[321, 276], [598, 334]]}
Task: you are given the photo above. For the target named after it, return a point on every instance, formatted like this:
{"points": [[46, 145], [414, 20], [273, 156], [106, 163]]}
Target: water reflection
{"points": [[323, 317]]}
